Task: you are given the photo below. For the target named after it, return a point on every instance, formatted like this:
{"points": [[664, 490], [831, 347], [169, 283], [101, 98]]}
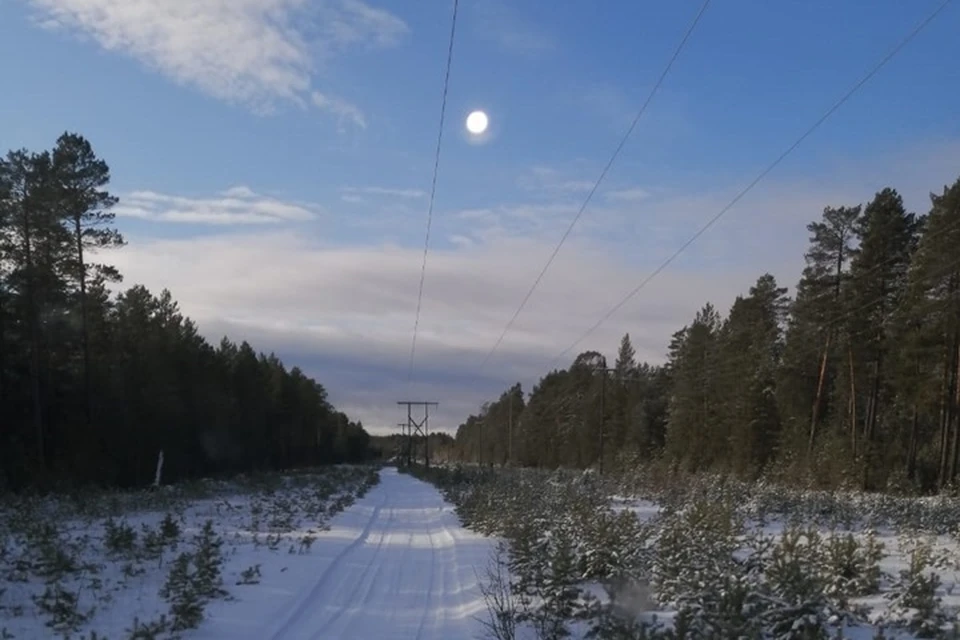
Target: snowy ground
{"points": [[344, 553], [394, 564], [712, 554], [899, 540]]}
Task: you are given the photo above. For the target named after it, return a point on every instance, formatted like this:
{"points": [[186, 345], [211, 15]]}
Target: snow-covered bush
{"points": [[79, 565]]}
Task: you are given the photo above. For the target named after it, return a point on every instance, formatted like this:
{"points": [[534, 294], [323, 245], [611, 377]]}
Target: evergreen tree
{"points": [[934, 294], [94, 384], [692, 437], [83, 204], [857, 380], [887, 237]]}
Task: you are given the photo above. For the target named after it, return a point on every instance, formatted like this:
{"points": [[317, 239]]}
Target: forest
{"points": [[854, 381], [95, 382]]}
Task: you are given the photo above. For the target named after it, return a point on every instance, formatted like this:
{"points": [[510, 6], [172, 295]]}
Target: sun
{"points": [[477, 122]]}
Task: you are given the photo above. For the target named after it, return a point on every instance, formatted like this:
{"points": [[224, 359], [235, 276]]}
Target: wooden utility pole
{"points": [[418, 428], [603, 413], [510, 431], [403, 440]]}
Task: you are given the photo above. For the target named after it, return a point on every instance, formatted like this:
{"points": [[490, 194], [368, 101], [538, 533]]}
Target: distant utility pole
{"points": [[403, 440], [510, 432], [603, 414], [418, 427]]}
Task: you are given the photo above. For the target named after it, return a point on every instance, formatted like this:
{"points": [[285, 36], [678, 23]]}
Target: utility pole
{"points": [[403, 440], [510, 431], [603, 414], [481, 442], [418, 427]]}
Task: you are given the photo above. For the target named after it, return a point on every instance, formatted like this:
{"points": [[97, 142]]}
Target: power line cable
{"points": [[725, 373], [433, 190], [596, 185], [816, 125]]}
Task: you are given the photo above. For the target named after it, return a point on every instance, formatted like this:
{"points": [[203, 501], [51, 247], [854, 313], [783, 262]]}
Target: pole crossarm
{"points": [[418, 428]]}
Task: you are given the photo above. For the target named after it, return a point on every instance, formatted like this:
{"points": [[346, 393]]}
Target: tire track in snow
{"points": [[304, 605], [415, 581], [354, 608], [428, 600], [449, 565]]}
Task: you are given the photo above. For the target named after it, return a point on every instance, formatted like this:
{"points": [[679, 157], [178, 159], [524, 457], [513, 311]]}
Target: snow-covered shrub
{"points": [[186, 603], [119, 538], [62, 607], [502, 605], [695, 548], [851, 566], [914, 602]]}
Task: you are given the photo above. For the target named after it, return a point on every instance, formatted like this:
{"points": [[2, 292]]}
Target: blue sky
{"points": [[273, 159]]}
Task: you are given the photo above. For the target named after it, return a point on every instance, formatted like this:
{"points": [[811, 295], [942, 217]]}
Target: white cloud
{"points": [[352, 330], [239, 192], [363, 298], [253, 52], [552, 181], [500, 23], [356, 22], [627, 195], [343, 110], [388, 191], [238, 205]]}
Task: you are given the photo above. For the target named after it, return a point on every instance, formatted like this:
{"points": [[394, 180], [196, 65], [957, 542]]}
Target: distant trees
{"points": [[855, 381], [94, 385]]}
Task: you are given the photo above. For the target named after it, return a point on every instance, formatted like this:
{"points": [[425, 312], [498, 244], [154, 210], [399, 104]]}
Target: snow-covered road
{"points": [[395, 565]]}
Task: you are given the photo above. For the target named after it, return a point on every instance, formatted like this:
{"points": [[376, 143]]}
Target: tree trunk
{"points": [[818, 400], [603, 415], [34, 328], [955, 402], [3, 358], [84, 329], [912, 446], [944, 422], [853, 405]]}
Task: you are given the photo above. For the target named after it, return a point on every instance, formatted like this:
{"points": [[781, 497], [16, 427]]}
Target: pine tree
{"points": [[934, 293], [887, 237], [691, 436], [750, 348], [83, 204], [827, 258]]}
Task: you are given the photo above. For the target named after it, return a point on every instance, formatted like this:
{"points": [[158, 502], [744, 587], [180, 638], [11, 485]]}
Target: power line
{"points": [[726, 372], [433, 189], [596, 185], [816, 125]]}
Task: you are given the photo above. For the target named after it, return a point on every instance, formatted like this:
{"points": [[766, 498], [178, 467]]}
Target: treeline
{"points": [[441, 447], [93, 386], [854, 382]]}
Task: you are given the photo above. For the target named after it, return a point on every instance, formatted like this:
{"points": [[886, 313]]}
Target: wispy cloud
{"points": [[253, 52], [343, 110], [552, 181], [387, 191], [236, 206], [354, 334], [240, 191], [365, 311], [500, 23], [353, 22], [631, 194]]}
